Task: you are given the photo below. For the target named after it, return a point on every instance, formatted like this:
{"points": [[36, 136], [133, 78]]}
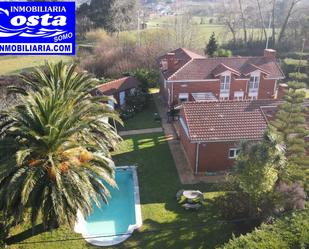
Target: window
{"points": [[183, 97], [254, 83], [122, 96], [132, 91], [225, 83], [233, 153]]}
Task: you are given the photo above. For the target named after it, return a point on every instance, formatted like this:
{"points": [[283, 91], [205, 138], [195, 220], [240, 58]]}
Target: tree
{"points": [[54, 148], [212, 46], [287, 18], [257, 165], [243, 20], [256, 173], [230, 17], [99, 13], [290, 125], [262, 19], [112, 15], [123, 15], [83, 22]]}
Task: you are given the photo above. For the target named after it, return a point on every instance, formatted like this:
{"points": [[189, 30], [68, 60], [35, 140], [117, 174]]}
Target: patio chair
{"points": [[192, 206], [200, 196], [179, 194]]}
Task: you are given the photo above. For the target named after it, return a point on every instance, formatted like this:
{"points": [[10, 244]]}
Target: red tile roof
{"points": [[118, 85], [203, 68], [182, 57], [229, 120], [191, 66], [225, 121], [222, 68]]}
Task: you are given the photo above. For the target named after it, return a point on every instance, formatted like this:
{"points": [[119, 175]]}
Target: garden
{"points": [[165, 223], [143, 119]]}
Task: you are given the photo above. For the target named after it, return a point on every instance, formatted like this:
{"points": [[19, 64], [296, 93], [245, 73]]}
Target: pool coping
{"points": [[98, 240]]}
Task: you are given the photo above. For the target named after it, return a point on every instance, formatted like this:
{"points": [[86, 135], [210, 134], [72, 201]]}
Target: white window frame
{"points": [[183, 97], [254, 85], [122, 98], [235, 153], [225, 85]]}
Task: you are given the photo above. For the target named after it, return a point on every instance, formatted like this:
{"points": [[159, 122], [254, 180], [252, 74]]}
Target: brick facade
{"points": [[190, 148], [183, 71], [267, 88], [212, 157], [215, 156]]}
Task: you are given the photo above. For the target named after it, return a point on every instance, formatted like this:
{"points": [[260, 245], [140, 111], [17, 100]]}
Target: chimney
{"points": [[281, 91], [171, 61], [270, 53]]}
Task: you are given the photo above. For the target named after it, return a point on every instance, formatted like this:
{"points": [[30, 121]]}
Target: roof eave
{"points": [[225, 140]]}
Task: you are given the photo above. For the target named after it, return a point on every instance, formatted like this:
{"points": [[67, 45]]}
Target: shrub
{"points": [[111, 59], [233, 205], [302, 77], [127, 113], [97, 35], [292, 196], [290, 231], [137, 101], [295, 55], [148, 77], [252, 48], [223, 53], [292, 65]]}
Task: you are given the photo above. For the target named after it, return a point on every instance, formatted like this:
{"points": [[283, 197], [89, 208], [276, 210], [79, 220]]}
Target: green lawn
{"points": [[165, 223], [201, 32], [17, 64], [142, 120]]}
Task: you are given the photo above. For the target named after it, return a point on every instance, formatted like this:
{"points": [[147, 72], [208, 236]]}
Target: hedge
{"points": [[291, 231], [295, 55]]}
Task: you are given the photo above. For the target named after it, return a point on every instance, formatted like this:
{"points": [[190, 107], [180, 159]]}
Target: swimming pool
{"points": [[113, 223]]}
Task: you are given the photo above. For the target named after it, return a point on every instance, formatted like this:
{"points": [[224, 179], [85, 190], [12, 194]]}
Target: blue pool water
{"points": [[119, 214]]}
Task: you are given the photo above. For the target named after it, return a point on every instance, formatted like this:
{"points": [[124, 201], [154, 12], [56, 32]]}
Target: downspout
{"points": [[196, 159], [172, 95], [275, 90], [247, 93]]}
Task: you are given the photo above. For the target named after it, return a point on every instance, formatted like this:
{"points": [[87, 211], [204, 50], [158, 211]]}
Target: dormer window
{"points": [[225, 83], [254, 84]]}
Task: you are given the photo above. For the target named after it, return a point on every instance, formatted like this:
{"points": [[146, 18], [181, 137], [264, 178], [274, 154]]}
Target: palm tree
{"points": [[54, 147]]}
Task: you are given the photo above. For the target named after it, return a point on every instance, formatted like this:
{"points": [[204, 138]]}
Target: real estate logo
{"points": [[37, 28]]}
